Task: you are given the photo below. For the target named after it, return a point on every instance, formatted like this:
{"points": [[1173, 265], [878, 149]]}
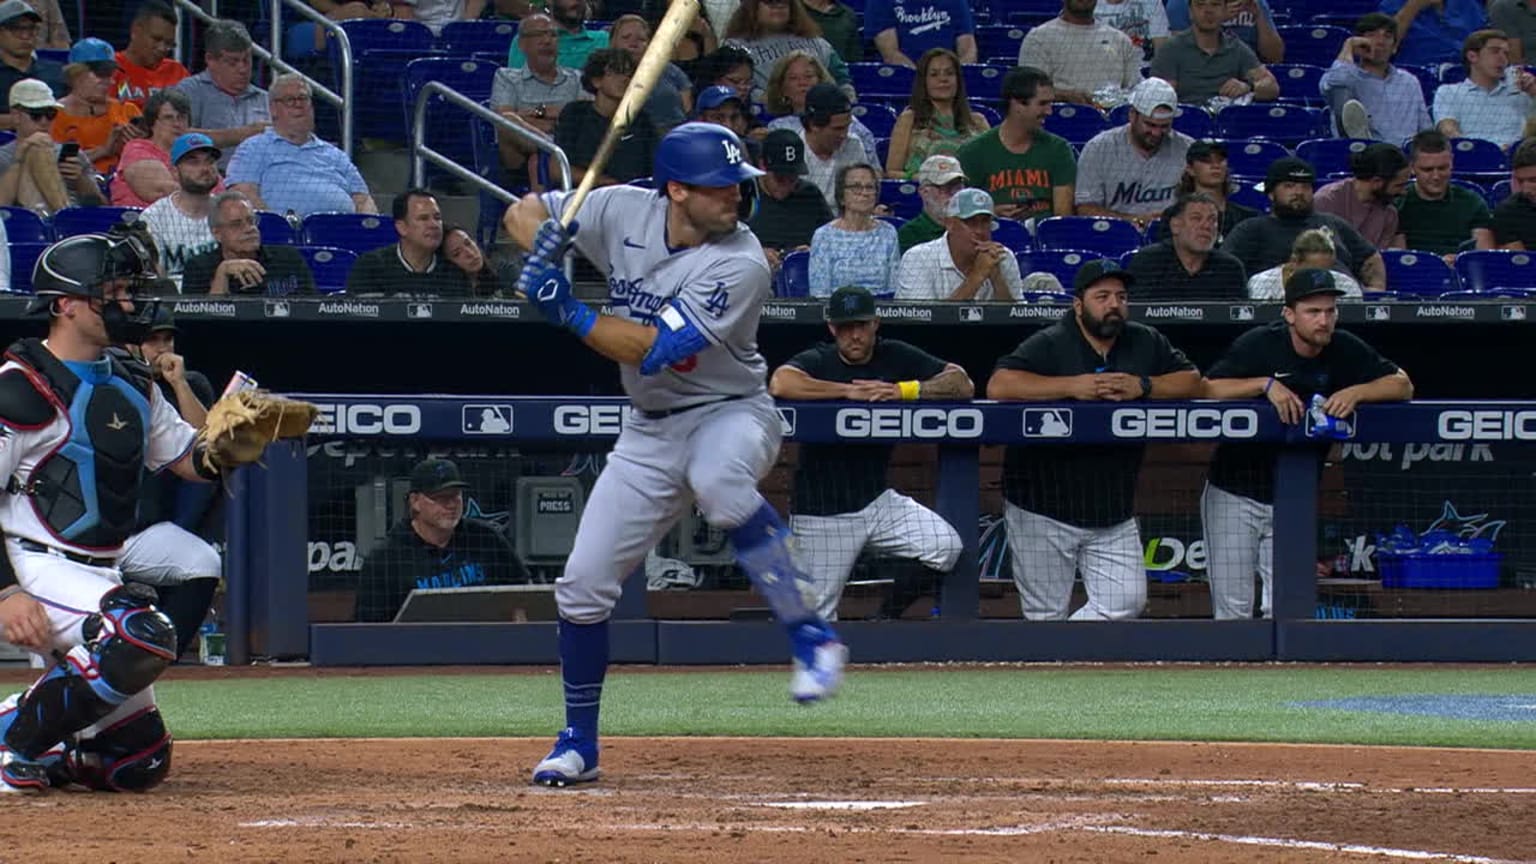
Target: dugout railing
{"points": [[268, 528]]}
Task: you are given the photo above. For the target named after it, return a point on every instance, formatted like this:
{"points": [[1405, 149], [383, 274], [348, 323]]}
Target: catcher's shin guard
{"points": [[131, 755], [128, 644]]}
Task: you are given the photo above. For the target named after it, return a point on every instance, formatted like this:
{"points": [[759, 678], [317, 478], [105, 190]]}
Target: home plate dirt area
{"points": [[800, 800]]}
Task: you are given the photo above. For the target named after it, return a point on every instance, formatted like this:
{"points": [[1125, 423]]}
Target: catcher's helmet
{"points": [[82, 265], [702, 154]]}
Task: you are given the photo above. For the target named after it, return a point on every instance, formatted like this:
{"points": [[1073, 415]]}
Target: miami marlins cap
{"points": [[850, 303], [191, 143], [1310, 282], [431, 476], [1095, 271]]}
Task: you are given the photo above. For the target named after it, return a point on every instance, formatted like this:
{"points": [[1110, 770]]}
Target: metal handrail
{"points": [[343, 100]]}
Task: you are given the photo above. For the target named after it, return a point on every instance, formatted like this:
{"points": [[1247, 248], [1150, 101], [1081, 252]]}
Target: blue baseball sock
{"points": [[583, 663], [762, 549]]}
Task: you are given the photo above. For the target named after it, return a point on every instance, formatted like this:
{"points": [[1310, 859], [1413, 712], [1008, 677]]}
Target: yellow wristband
{"points": [[909, 390]]}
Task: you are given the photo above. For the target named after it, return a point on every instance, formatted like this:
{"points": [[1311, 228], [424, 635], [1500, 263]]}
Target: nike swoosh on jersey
{"points": [[633, 245]]}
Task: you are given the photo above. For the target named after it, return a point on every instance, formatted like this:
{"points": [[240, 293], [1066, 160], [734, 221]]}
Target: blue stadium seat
{"points": [[880, 78], [25, 226], [795, 275], [1474, 157], [381, 47], [1061, 263], [1471, 186], [1253, 158], [983, 81], [1245, 193], [1076, 123], [1490, 269], [329, 266], [23, 260], [1495, 293], [1331, 155], [89, 220], [999, 40], [354, 231], [882, 152], [475, 37], [894, 221], [1299, 81], [57, 55], [1500, 191], [1451, 73], [1108, 237], [901, 196], [1410, 271], [880, 119], [1285, 123], [275, 229], [1012, 234], [1429, 79], [446, 124], [1317, 46], [993, 118], [1192, 120]]}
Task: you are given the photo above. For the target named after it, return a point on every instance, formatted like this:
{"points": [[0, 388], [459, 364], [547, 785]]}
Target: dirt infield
{"points": [[799, 800]]}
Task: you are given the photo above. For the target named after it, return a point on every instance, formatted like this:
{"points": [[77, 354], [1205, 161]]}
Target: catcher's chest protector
{"points": [[86, 490]]}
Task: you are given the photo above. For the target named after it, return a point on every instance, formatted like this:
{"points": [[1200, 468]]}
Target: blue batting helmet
{"points": [[702, 154]]}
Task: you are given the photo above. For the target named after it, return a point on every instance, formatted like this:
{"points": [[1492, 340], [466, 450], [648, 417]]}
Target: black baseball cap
{"points": [[163, 320], [1199, 151], [824, 100], [431, 476], [1104, 268], [784, 152], [850, 303], [1310, 282], [1289, 169]]}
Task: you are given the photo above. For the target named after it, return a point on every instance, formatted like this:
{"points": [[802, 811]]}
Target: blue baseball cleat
{"points": [[573, 760], [819, 658]]}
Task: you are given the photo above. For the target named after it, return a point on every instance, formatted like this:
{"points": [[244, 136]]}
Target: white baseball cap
{"points": [[32, 93], [939, 169], [1155, 98]]}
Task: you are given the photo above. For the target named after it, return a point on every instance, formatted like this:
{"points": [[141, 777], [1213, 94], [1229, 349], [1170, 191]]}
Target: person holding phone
{"points": [[37, 172], [88, 114]]}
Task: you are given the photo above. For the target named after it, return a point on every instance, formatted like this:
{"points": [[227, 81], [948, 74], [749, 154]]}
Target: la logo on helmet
{"points": [[732, 153]]}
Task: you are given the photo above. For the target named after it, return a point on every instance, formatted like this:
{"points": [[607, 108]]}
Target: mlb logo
{"points": [[1512, 313], [787, 422], [1047, 422], [1242, 313], [487, 419], [418, 310], [277, 309], [1378, 313], [970, 314]]}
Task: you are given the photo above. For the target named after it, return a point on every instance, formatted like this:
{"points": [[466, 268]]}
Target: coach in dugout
{"points": [[1070, 509], [1287, 362], [842, 503]]}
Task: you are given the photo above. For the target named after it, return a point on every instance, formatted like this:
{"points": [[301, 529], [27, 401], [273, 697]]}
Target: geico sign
{"points": [[589, 419], [1486, 425], [1185, 423], [909, 423], [366, 419]]}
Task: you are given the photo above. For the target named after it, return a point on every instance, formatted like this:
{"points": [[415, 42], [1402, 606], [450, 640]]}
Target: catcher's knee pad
{"points": [[128, 644], [131, 755]]}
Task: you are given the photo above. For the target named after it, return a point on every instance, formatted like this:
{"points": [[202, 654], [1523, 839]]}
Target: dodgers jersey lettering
{"points": [[720, 286]]}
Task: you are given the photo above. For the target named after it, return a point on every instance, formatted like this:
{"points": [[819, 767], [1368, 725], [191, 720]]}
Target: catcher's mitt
{"points": [[241, 425]]}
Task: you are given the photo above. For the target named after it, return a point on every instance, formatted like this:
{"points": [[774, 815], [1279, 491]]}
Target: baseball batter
{"points": [[1287, 362], [842, 503], [687, 282], [77, 429]]}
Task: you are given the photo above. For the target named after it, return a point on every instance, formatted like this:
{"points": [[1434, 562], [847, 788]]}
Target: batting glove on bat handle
{"points": [[553, 240], [545, 284]]}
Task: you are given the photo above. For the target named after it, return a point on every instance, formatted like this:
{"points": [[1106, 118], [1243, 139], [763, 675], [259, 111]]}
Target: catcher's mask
{"points": [[86, 264]]}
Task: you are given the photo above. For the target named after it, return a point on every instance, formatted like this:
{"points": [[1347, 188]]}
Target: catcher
{"points": [[77, 429]]}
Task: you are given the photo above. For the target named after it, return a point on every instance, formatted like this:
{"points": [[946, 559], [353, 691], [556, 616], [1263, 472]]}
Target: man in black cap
{"points": [[1206, 171], [435, 546], [789, 210], [1187, 265], [1288, 363], [1265, 242], [1070, 509], [829, 148], [842, 503]]}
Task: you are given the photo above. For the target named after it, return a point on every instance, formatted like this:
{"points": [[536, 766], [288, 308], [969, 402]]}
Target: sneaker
{"points": [[1354, 120], [19, 775], [819, 659], [573, 760]]}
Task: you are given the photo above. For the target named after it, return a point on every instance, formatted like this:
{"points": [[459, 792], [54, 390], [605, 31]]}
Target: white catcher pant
{"points": [[167, 554], [892, 523], [1048, 554], [715, 454], [1239, 541]]}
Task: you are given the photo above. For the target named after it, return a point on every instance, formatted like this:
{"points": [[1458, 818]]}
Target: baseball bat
{"points": [[658, 54]]}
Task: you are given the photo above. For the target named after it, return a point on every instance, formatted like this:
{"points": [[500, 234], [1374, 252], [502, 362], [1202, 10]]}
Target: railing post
{"points": [[1295, 532], [958, 501]]}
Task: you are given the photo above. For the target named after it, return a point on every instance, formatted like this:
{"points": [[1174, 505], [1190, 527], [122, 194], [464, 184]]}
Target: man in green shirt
{"points": [[576, 41], [1030, 172], [1434, 215], [938, 179], [839, 26]]}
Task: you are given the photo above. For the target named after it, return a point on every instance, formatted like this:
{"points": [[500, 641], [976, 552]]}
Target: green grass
{"points": [[1181, 703]]}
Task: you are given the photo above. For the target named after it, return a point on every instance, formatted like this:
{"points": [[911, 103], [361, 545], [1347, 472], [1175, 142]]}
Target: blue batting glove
{"points": [[553, 240], [545, 284]]}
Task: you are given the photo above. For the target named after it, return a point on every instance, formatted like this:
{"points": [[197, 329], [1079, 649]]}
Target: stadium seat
{"points": [[1299, 82], [25, 226], [445, 123], [1108, 237], [1246, 193], [1076, 123], [795, 275], [1474, 157], [89, 220], [475, 37], [1500, 191], [1471, 186], [1252, 158], [1487, 270], [880, 78], [56, 55], [1061, 263], [1012, 234], [983, 81], [329, 266], [23, 259], [1317, 46], [381, 47], [1331, 155], [354, 231], [999, 40], [1192, 120], [901, 196], [882, 152], [275, 228], [1429, 79], [880, 119], [1285, 123], [1410, 271], [1451, 73], [1492, 294], [993, 118]]}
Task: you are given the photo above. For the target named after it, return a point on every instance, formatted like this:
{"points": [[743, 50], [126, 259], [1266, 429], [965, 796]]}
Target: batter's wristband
{"points": [[1268, 383], [909, 390]]}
